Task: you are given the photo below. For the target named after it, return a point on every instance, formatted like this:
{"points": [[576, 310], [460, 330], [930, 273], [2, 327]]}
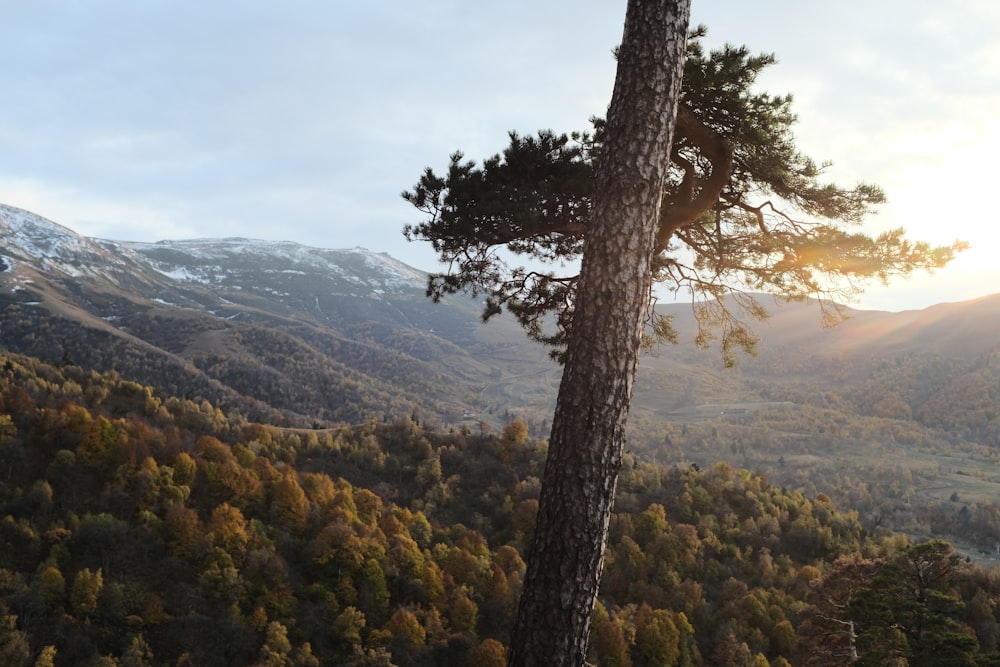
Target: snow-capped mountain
{"points": [[326, 333], [218, 276], [320, 282], [293, 334], [29, 243]]}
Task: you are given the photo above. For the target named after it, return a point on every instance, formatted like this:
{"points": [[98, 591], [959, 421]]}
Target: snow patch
{"points": [[44, 244]]}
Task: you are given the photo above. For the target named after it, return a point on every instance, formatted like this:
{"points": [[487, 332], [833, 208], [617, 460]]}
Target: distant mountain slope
{"points": [[272, 328], [939, 366], [285, 332], [963, 329]]}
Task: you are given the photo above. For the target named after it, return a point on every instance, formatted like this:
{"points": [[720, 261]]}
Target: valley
{"points": [[296, 433], [907, 403]]}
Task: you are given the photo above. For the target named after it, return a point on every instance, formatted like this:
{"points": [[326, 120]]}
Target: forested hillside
{"points": [[235, 452], [278, 332], [285, 334], [139, 528]]}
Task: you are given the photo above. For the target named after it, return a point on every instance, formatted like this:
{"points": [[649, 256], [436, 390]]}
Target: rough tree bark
{"points": [[588, 430]]}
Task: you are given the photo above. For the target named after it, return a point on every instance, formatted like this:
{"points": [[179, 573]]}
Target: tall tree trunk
{"points": [[588, 429]]}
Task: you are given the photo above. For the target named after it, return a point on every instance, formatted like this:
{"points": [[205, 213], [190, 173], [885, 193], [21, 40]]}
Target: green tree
{"points": [[373, 593], [53, 586], [14, 650], [347, 628], [86, 592], [742, 208], [607, 641], [7, 428], [730, 205], [101, 442], [185, 469], [828, 631], [432, 582], [585, 448], [138, 654], [656, 636], [276, 649], [689, 655], [11, 451], [463, 614], [910, 611]]}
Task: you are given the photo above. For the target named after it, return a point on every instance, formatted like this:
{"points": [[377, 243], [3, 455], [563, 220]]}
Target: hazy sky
{"points": [[304, 120]]}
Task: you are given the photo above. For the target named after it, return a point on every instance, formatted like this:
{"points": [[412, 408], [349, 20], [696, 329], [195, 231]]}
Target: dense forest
{"points": [[143, 529]]}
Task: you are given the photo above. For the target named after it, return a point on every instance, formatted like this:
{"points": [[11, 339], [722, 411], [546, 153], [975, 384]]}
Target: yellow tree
{"points": [[86, 591], [289, 504], [489, 653]]}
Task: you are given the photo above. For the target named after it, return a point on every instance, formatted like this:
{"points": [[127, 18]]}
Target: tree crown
{"points": [[742, 211]]}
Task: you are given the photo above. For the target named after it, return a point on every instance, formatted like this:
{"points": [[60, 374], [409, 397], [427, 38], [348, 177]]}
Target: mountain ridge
{"points": [[284, 331], [163, 302]]}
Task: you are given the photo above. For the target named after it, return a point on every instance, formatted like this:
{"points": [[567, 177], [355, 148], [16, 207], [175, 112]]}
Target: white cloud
{"points": [[305, 121], [90, 215]]}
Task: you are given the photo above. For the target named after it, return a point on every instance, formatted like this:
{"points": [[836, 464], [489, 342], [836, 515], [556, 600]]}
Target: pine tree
{"points": [[585, 448]]}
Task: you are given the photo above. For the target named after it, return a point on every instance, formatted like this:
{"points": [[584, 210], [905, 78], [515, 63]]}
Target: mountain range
{"points": [[292, 334], [280, 331]]}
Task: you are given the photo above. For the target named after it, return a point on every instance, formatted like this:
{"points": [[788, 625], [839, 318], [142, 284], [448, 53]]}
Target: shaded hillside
{"points": [[278, 330], [138, 528], [963, 330], [938, 366], [287, 333]]}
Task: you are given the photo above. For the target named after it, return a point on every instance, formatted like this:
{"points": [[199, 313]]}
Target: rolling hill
{"points": [[288, 333]]}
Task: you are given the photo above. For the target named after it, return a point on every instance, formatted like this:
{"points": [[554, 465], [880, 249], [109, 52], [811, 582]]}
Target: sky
{"points": [[305, 120]]}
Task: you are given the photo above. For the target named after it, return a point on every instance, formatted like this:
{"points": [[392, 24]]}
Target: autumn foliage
{"points": [[160, 532]]}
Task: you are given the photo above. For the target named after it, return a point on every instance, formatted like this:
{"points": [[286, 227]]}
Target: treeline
{"points": [[960, 397], [142, 529], [247, 366], [884, 468]]}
